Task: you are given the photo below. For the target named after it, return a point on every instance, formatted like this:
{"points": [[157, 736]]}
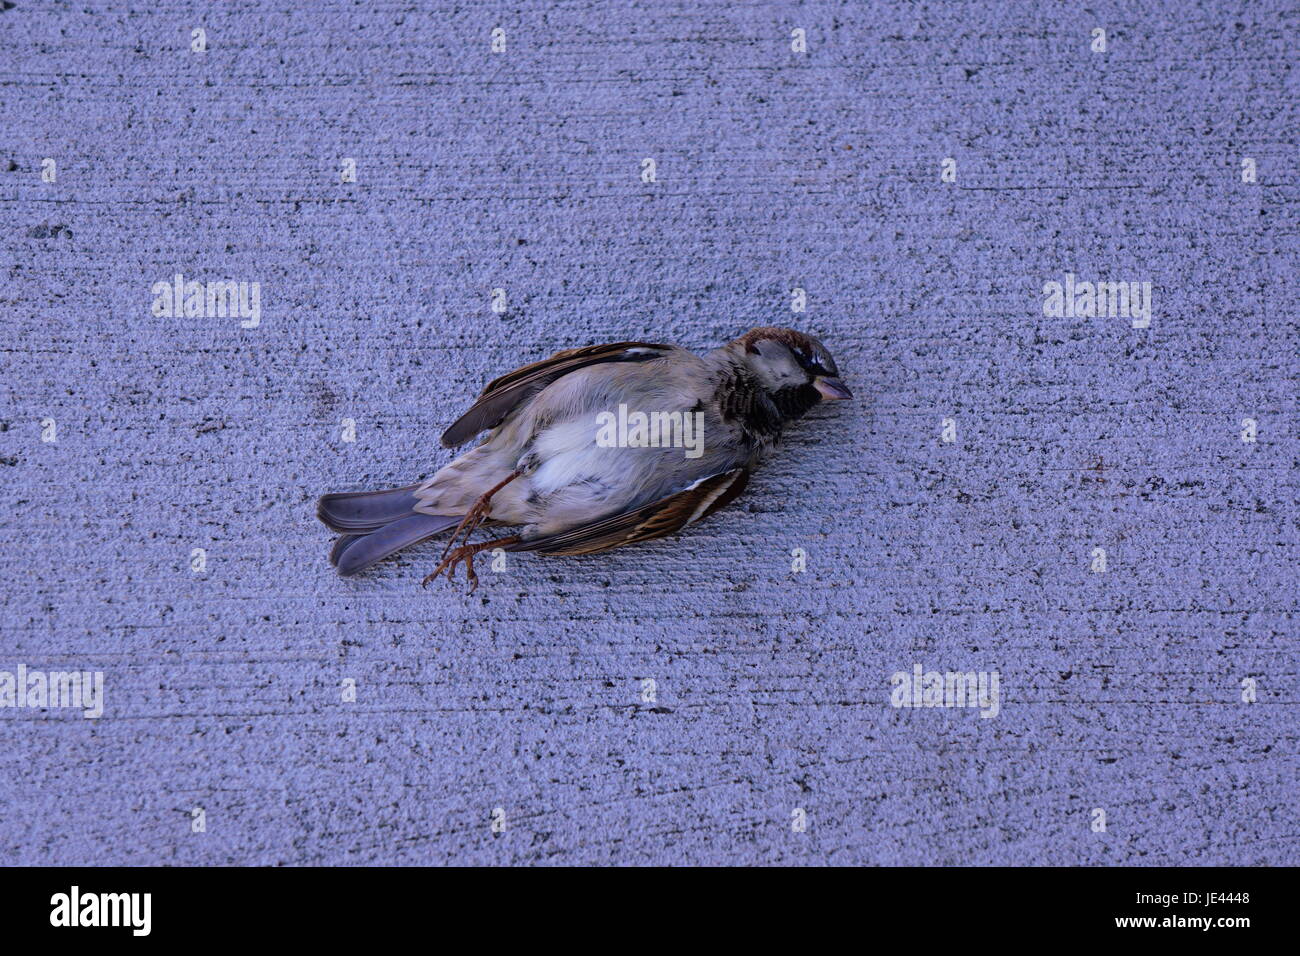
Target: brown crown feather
{"points": [[790, 337]]}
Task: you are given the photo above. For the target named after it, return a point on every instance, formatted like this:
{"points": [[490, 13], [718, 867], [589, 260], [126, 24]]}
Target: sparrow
{"points": [[553, 466]]}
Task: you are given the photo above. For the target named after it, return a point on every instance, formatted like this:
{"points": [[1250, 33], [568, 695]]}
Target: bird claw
{"points": [[464, 553]]}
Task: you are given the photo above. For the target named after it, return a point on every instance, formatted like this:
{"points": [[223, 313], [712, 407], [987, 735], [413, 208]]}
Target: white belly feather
{"points": [[568, 453]]}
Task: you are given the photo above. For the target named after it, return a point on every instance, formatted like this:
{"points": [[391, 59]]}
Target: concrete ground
{"points": [[1147, 712]]}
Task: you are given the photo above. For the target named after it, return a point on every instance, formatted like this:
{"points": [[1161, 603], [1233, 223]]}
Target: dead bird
{"points": [[569, 456]]}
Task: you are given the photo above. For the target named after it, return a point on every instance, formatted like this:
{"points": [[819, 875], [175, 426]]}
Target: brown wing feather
{"points": [[503, 394], [650, 521]]}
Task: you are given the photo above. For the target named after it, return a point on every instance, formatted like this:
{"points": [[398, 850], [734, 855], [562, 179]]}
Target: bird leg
{"points": [[477, 513], [466, 553]]}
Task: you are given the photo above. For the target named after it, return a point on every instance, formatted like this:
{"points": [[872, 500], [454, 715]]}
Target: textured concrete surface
{"points": [[1121, 690]]}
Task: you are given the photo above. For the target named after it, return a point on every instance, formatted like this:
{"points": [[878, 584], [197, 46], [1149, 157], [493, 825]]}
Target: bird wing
{"points": [[504, 394], [654, 520]]}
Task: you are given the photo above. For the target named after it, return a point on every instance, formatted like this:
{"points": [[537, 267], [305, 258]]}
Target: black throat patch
{"points": [[761, 414]]}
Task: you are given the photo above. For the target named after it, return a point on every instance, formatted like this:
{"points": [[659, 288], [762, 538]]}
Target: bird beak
{"points": [[832, 389]]}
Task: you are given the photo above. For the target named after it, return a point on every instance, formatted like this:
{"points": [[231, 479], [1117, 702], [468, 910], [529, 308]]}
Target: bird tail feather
{"points": [[353, 553], [360, 512]]}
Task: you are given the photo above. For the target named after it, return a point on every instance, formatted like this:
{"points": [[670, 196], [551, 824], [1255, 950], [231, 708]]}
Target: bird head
{"points": [[794, 369]]}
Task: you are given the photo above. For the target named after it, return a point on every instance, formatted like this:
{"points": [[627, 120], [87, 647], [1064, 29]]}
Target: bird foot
{"points": [[474, 517], [465, 553]]}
